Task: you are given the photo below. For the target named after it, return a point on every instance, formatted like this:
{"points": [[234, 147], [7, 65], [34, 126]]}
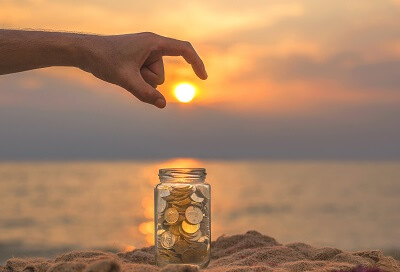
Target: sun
{"points": [[185, 92]]}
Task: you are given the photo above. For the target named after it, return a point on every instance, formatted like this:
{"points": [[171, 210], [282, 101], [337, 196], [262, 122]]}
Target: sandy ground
{"points": [[248, 252]]}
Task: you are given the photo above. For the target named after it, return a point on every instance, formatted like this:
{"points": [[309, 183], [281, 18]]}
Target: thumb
{"points": [[146, 93]]}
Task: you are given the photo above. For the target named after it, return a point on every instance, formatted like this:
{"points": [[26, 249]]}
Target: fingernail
{"points": [[160, 103]]}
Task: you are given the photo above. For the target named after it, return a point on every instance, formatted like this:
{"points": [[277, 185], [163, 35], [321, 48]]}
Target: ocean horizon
{"points": [[50, 207]]}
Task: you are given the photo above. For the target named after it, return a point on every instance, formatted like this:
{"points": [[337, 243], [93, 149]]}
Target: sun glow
{"points": [[185, 92]]}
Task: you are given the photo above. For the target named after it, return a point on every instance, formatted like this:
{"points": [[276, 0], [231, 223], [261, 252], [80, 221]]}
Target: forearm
{"points": [[27, 50], [132, 61]]}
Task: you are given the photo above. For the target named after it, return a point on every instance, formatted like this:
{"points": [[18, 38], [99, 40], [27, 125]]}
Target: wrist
{"points": [[82, 51]]}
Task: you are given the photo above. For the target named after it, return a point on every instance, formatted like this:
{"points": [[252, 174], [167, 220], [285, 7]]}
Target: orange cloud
{"points": [[232, 39]]}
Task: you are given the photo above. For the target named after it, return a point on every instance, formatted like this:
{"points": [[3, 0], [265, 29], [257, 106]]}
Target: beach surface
{"points": [[251, 251]]}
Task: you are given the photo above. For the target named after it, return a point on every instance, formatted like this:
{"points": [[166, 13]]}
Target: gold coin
{"points": [[194, 237], [203, 239], [181, 191], [183, 233], [179, 195], [182, 188], [171, 215], [178, 208], [167, 240], [161, 231], [190, 228], [183, 202], [181, 246], [193, 215], [174, 229]]}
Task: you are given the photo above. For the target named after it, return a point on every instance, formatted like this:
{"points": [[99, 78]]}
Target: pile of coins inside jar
{"points": [[183, 224]]}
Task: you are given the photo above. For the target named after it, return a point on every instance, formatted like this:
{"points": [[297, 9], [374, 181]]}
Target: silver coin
{"points": [[167, 240], [162, 204], [193, 215], [196, 198], [204, 191], [164, 192]]}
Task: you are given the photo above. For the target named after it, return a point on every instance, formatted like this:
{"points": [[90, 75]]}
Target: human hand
{"points": [[134, 62]]}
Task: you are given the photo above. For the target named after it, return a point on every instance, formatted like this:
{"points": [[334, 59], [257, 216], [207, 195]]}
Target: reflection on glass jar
{"points": [[182, 217]]}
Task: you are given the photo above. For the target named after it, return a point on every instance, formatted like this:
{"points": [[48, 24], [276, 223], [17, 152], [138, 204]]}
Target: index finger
{"points": [[173, 47]]}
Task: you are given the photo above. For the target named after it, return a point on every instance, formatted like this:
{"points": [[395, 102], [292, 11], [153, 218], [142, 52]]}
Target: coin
{"points": [[203, 191], [173, 259], [196, 198], [180, 246], [201, 248], [161, 231], [182, 224], [162, 204], [163, 259], [189, 228], [178, 208], [167, 240], [164, 192], [203, 239], [183, 233], [193, 215], [197, 204], [182, 188], [171, 215], [169, 252], [193, 237], [190, 256], [174, 229], [182, 202]]}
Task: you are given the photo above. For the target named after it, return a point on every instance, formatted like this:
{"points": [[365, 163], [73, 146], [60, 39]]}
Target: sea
{"points": [[47, 208]]}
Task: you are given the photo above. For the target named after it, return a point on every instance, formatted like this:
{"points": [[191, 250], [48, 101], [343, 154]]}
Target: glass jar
{"points": [[182, 217]]}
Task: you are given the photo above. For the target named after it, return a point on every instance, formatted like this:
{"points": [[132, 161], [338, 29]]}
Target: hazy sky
{"points": [[287, 80]]}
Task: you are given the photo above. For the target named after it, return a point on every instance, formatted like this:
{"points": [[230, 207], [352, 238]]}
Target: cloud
{"points": [[294, 79], [194, 20], [348, 69], [76, 123]]}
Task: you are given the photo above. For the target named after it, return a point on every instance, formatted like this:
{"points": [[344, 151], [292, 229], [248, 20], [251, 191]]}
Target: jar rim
{"points": [[183, 173]]}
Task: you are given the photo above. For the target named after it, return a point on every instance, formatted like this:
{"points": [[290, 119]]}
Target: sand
{"points": [[239, 253]]}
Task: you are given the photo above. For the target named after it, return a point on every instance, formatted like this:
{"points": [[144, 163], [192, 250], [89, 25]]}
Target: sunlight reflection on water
{"points": [[109, 205]]}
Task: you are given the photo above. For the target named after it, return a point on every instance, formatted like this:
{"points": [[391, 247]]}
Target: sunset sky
{"points": [[287, 80]]}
